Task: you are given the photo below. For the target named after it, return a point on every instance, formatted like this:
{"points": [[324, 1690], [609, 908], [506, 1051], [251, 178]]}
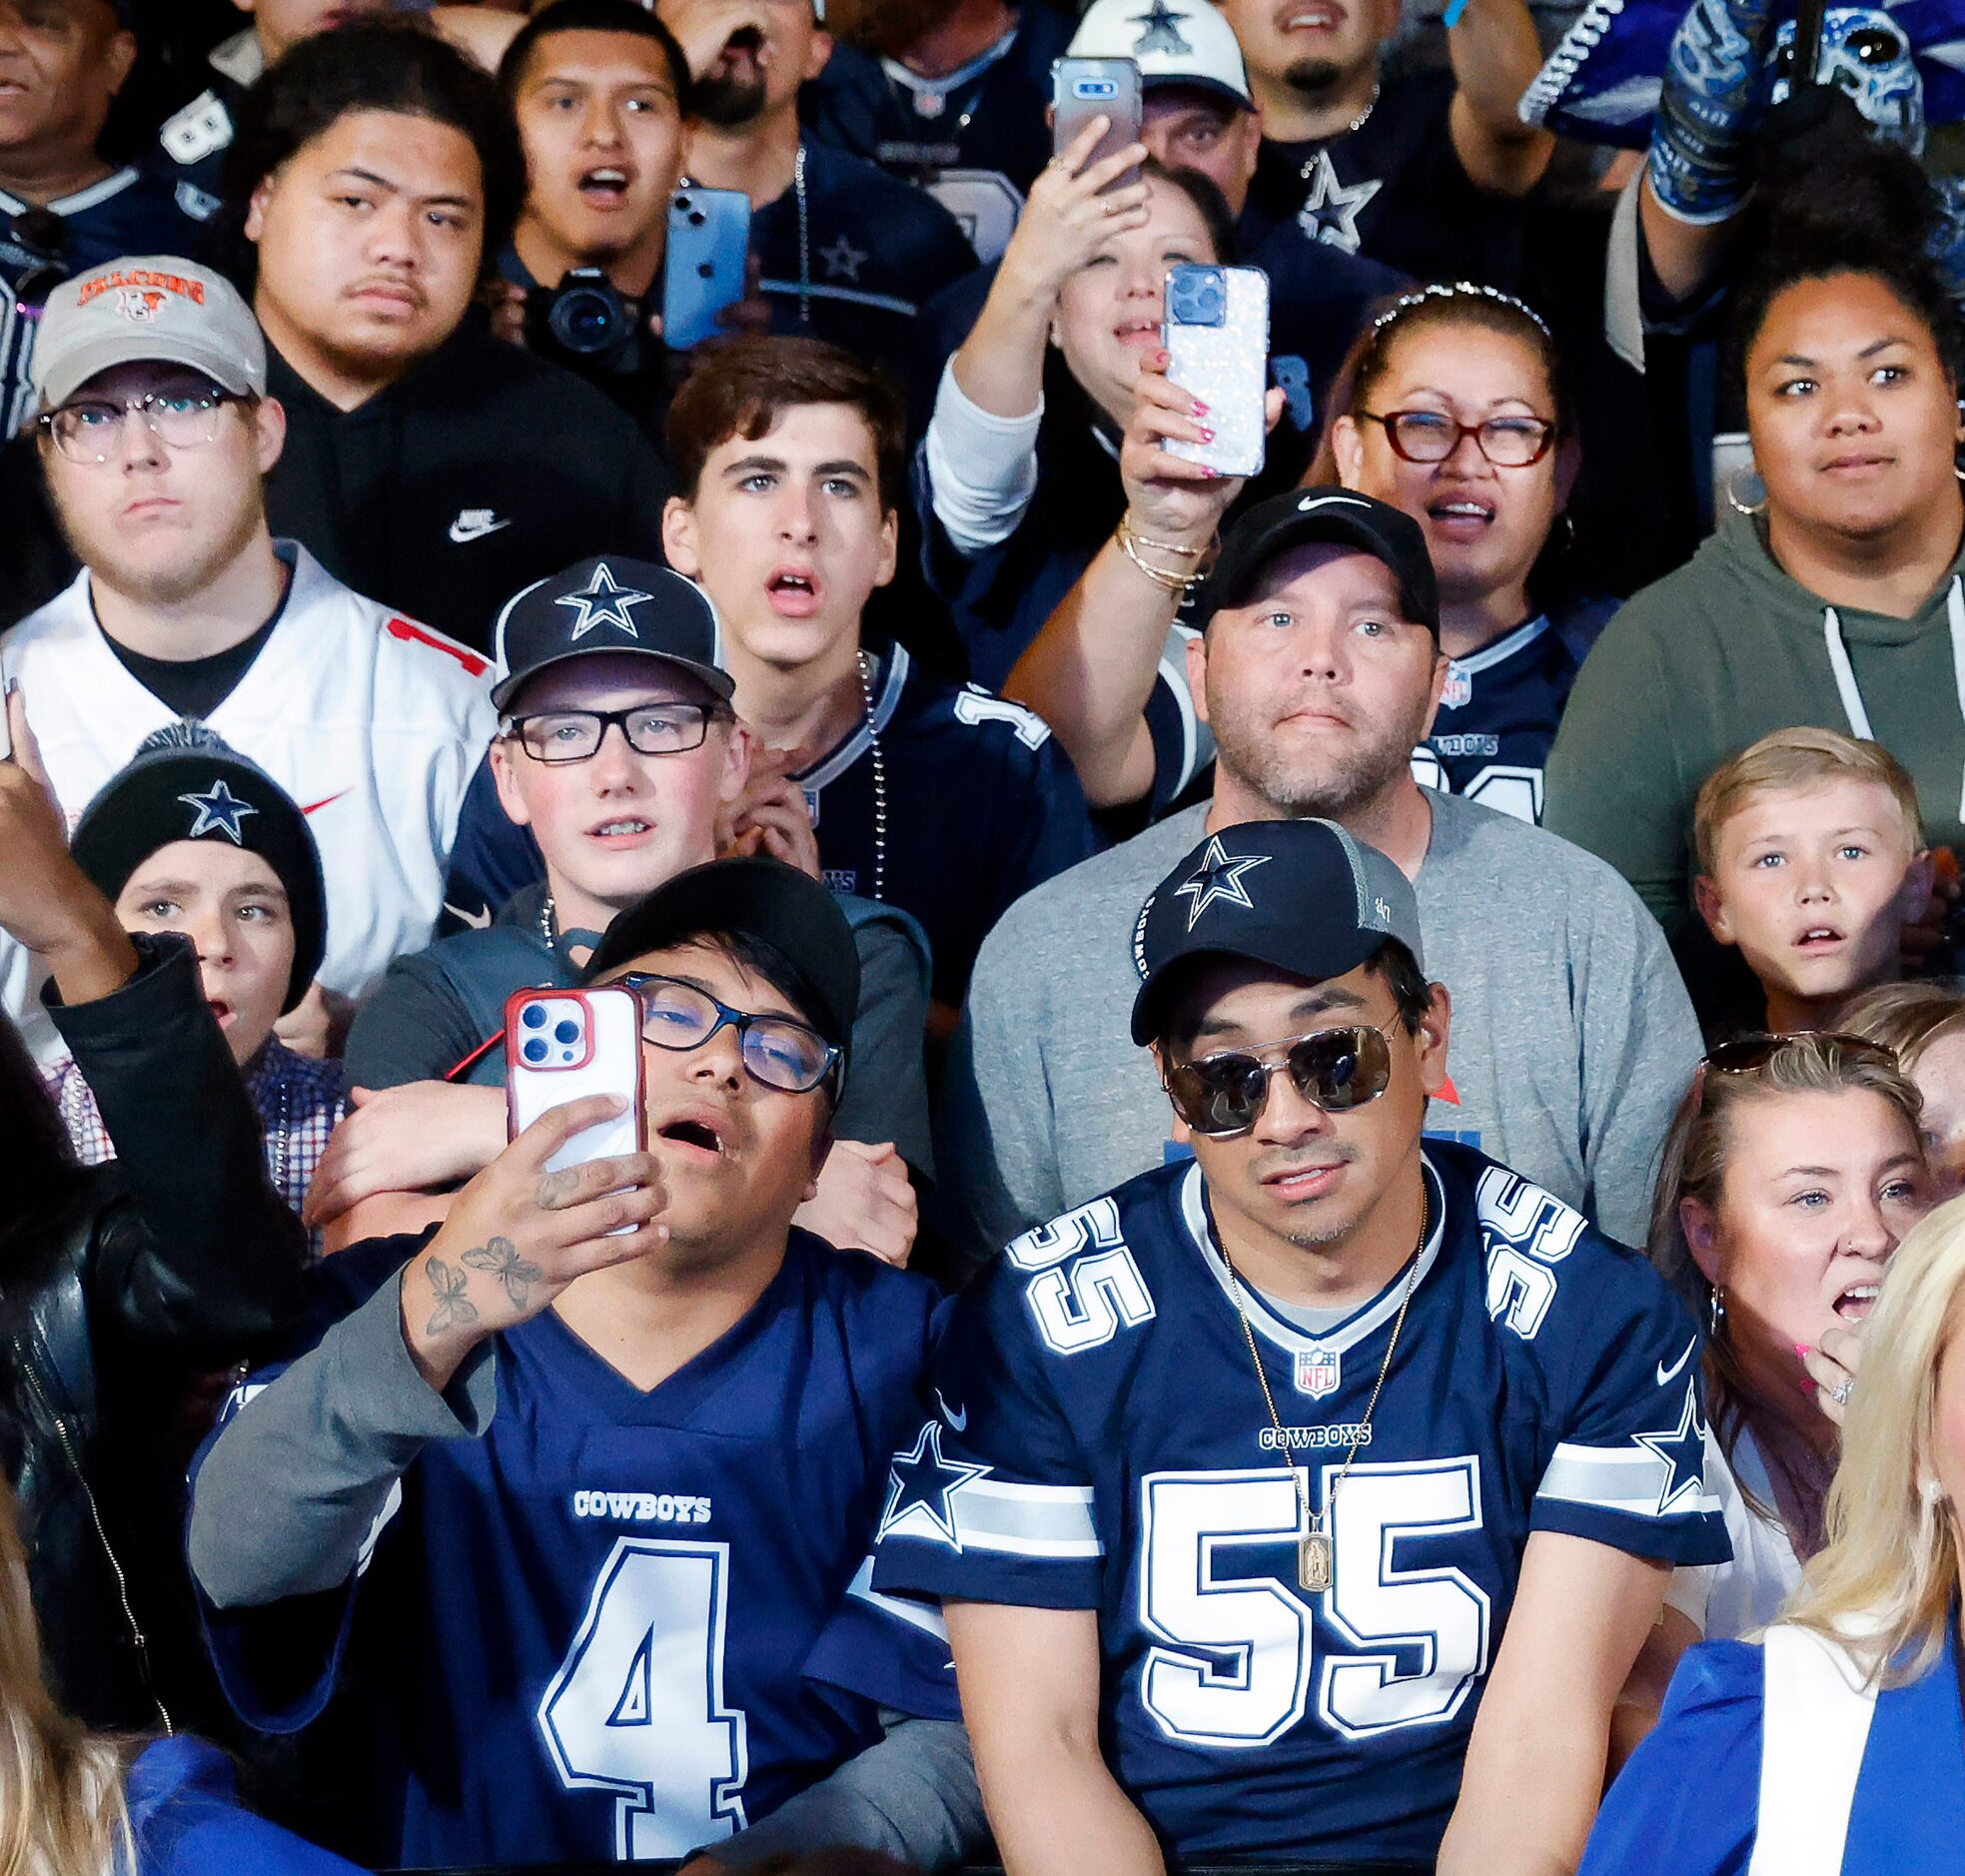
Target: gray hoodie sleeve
{"points": [[912, 1794], [295, 1488]]}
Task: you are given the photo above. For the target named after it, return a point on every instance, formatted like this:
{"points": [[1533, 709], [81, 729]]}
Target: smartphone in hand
{"points": [[703, 262], [560, 1045], [1215, 328], [1082, 89]]}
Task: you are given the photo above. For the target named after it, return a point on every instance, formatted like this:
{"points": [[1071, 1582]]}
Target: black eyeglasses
{"points": [[1433, 436], [90, 430], [777, 1050], [650, 729], [1223, 1095], [1748, 1055]]}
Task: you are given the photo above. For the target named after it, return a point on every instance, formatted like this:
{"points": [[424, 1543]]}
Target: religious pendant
{"points": [[1314, 1561]]}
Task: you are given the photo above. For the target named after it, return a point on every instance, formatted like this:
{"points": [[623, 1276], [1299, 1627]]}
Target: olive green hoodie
{"points": [[1712, 659]]}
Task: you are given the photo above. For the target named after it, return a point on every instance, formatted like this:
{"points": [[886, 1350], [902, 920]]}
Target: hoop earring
{"points": [[1715, 1313], [1738, 507]]}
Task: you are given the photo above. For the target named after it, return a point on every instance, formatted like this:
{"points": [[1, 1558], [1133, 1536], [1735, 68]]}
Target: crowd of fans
{"points": [[1280, 1193]]}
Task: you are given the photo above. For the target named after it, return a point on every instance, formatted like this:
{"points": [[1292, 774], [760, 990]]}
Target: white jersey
{"points": [[373, 723]]}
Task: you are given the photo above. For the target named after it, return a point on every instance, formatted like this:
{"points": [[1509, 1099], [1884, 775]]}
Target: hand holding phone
{"points": [[561, 1045], [1082, 90], [1215, 328], [703, 262]]}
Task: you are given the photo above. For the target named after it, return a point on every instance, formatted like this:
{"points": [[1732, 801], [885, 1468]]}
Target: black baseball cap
{"points": [[185, 783], [1309, 516], [1301, 896], [752, 899], [608, 603]]}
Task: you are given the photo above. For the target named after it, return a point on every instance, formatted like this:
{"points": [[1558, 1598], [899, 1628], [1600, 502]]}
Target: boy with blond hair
{"points": [[1812, 860]]}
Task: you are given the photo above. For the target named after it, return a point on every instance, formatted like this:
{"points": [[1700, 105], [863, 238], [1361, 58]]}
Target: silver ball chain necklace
{"points": [[879, 778]]}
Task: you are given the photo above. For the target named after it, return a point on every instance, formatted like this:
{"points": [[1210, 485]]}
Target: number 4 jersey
{"points": [[1101, 1442], [615, 1624]]}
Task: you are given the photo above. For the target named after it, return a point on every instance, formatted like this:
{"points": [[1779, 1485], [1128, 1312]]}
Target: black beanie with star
{"points": [[184, 784]]}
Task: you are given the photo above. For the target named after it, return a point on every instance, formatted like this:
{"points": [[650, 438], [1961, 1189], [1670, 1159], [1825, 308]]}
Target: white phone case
{"points": [[1222, 362], [563, 1044]]}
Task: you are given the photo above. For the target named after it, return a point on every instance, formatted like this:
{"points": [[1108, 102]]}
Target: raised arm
{"points": [[1090, 672], [1029, 1694], [1495, 56], [981, 443], [1536, 1763]]}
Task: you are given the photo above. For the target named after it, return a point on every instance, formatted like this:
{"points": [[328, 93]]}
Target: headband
{"points": [[1458, 289]]}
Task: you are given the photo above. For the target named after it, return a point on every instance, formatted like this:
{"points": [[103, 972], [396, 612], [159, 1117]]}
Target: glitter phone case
{"points": [[1215, 331]]}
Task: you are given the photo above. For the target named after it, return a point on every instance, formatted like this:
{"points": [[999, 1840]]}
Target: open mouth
{"points": [[220, 1008], [1857, 1301], [792, 593], [1140, 331], [605, 185], [696, 1134], [745, 47], [622, 827], [1818, 938], [1315, 18], [1461, 515]]}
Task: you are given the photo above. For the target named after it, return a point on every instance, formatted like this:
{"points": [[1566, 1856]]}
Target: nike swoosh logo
{"points": [[960, 1421], [462, 530], [1667, 1375], [312, 806], [477, 920]]}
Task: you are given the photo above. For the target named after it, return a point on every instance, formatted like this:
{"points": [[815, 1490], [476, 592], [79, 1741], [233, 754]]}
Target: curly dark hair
{"points": [[396, 65]]}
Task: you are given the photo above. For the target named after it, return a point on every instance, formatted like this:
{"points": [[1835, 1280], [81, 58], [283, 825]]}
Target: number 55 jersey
{"points": [[1101, 1442]]}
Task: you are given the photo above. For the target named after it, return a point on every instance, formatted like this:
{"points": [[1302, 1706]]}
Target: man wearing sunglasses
{"points": [[1308, 1503], [617, 765], [154, 438], [604, 1454]]}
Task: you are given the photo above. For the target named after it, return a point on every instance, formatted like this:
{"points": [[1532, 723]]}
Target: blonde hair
{"points": [[1797, 758], [1694, 1161], [1884, 1583], [1904, 1018], [62, 1806]]}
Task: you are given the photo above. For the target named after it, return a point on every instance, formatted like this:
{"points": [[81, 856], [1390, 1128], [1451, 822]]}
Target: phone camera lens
{"points": [[697, 218], [566, 1030], [533, 1051], [534, 1016]]}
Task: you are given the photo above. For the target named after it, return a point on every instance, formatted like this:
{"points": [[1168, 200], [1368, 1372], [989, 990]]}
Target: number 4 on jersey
{"points": [[638, 1708]]}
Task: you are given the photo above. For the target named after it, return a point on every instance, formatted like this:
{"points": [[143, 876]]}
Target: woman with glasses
{"points": [[1794, 1166], [1832, 594], [1831, 1744]]}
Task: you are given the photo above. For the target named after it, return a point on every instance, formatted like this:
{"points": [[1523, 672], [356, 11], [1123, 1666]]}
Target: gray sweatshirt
{"points": [[1570, 1044]]}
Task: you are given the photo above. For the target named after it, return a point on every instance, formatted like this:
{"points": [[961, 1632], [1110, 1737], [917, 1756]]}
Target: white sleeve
{"points": [[982, 468]]}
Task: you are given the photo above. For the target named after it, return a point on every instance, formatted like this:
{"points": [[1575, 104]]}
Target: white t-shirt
{"points": [[1725, 1601], [373, 723]]}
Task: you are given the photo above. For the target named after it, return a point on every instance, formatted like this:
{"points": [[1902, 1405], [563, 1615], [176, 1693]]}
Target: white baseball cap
{"points": [[1173, 42], [144, 309]]}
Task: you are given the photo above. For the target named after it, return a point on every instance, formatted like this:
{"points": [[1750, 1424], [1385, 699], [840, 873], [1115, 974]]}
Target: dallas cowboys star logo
{"points": [[1219, 876], [1163, 32], [922, 1480], [1682, 1447], [842, 260], [1331, 210], [603, 602], [219, 811]]}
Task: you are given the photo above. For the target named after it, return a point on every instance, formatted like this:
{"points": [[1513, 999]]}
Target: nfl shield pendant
{"points": [[1314, 1561]]}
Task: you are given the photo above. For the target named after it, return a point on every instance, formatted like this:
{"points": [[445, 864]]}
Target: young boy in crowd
{"points": [[587, 1479], [192, 838], [1811, 861]]}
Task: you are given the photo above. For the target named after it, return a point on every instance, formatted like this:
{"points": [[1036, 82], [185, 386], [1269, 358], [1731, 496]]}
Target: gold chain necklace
{"points": [[1315, 1557]]}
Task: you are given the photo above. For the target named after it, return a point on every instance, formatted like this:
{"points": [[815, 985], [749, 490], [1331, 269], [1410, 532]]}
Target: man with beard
{"points": [[1418, 172], [1319, 668], [154, 435], [950, 94], [847, 251]]}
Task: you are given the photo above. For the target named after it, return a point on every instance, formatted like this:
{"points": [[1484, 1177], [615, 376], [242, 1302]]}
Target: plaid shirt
{"points": [[299, 1100]]}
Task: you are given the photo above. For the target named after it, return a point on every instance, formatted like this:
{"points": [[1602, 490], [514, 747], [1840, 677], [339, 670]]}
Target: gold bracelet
{"points": [[1164, 546], [1168, 581]]}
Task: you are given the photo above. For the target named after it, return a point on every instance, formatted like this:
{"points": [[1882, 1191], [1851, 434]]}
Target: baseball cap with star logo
{"points": [[153, 309], [1301, 897], [609, 603], [1173, 42]]}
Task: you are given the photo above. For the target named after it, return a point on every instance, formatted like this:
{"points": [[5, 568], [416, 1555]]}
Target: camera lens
{"points": [[588, 321]]}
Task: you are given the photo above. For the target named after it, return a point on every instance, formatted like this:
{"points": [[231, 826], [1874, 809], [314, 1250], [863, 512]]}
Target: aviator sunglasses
{"points": [[1223, 1095]]}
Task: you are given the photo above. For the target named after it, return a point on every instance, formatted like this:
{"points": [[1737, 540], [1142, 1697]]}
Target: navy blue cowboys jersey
{"points": [[982, 805], [974, 138], [1393, 190], [131, 212], [617, 1625], [1102, 1445], [1497, 715], [194, 137], [871, 250]]}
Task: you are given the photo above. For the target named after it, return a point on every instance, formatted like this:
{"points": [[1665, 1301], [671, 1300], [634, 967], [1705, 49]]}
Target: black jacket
{"points": [[481, 470], [177, 1258]]}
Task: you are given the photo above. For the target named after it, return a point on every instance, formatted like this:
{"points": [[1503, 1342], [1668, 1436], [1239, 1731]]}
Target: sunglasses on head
{"points": [[1220, 1096], [1748, 1055]]}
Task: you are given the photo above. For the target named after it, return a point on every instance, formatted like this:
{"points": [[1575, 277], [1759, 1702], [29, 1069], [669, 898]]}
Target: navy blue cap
{"points": [[615, 605], [1304, 897]]}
